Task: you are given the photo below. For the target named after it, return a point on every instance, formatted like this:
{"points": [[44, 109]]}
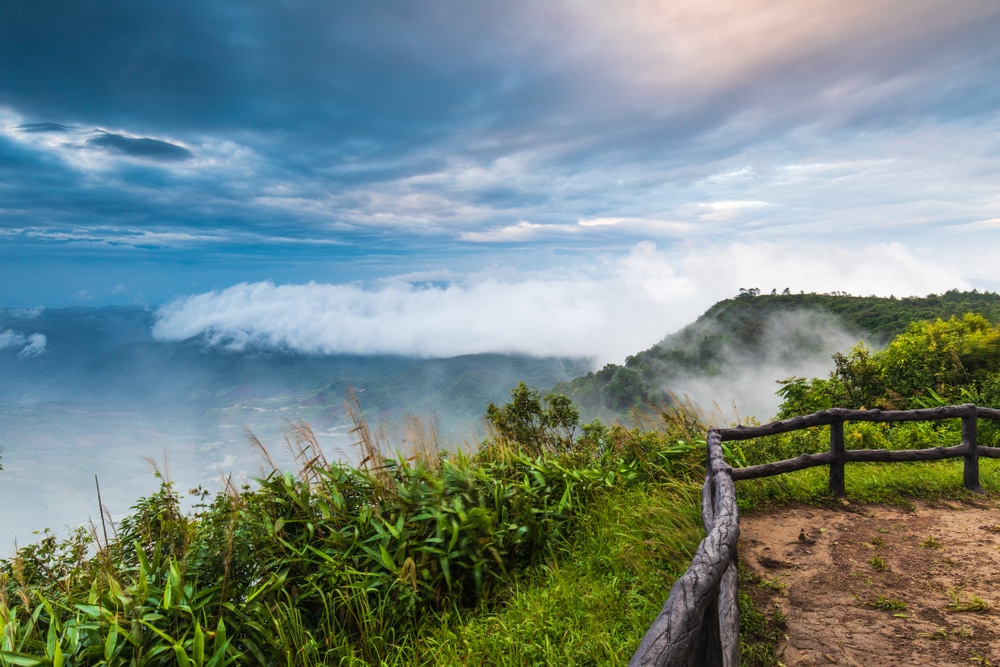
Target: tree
{"points": [[539, 425], [623, 390], [948, 361], [941, 355]]}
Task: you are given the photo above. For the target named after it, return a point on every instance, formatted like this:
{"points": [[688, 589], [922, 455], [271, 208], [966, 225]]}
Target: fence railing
{"points": [[699, 623]]}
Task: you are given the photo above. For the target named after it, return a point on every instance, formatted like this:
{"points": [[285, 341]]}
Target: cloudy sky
{"points": [[445, 177]]}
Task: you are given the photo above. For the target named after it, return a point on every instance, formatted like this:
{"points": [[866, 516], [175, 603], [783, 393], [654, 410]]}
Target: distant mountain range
{"points": [[109, 355], [88, 391]]}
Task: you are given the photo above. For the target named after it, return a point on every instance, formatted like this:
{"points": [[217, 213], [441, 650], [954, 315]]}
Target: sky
{"points": [[445, 177]]}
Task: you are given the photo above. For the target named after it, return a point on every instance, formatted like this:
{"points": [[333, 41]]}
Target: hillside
{"points": [[753, 340]]}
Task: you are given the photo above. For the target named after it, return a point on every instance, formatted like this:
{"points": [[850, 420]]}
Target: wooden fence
{"points": [[699, 623]]}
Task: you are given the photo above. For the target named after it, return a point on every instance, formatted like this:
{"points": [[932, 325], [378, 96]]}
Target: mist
{"points": [[98, 391], [746, 378], [106, 399]]}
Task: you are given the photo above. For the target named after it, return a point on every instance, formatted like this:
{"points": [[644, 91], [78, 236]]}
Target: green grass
{"points": [[967, 603], [564, 556], [592, 605], [762, 624], [878, 563], [879, 601], [868, 483]]}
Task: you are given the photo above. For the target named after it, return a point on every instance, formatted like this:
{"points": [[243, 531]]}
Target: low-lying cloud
{"points": [[31, 345], [605, 310], [792, 344]]}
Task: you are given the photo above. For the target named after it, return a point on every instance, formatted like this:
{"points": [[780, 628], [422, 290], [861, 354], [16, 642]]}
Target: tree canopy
{"points": [[932, 362]]}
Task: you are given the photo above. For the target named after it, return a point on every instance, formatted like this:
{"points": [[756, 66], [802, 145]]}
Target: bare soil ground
{"points": [[877, 585]]}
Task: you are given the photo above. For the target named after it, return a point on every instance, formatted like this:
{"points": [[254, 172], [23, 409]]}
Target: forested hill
{"points": [[763, 333]]}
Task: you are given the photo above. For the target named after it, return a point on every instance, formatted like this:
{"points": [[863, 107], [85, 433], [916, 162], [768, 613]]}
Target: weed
{"points": [[967, 603], [980, 660], [931, 543], [774, 584], [884, 603], [877, 542], [878, 563], [938, 633]]}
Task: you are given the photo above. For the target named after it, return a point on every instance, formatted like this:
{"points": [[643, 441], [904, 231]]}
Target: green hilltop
{"points": [[738, 329]]}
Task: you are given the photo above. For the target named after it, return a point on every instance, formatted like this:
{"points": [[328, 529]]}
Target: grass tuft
{"points": [[878, 563], [961, 603], [879, 601]]}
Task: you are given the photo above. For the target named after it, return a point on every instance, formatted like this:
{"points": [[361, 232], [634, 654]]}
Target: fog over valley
{"points": [[104, 395], [106, 391]]}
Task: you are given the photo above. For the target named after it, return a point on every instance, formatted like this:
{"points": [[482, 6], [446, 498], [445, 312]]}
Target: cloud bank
{"points": [[605, 311]]}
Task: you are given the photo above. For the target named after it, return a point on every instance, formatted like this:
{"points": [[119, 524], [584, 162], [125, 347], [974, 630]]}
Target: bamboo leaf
{"points": [[199, 645], [111, 641], [182, 657], [386, 559], [20, 659]]}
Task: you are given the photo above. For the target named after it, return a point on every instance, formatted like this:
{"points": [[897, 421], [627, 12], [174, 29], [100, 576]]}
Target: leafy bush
{"points": [[335, 563], [932, 363]]}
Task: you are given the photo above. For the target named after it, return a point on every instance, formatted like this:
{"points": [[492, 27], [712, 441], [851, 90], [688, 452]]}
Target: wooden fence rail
{"points": [[699, 622]]}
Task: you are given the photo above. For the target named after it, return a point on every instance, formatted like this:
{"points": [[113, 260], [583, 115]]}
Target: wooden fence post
{"points": [[707, 650], [839, 458], [970, 437]]}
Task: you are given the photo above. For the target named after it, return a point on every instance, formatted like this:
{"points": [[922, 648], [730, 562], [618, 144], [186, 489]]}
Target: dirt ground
{"points": [[878, 585]]}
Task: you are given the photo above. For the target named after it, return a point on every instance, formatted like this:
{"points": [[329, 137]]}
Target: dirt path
{"points": [[842, 578]]}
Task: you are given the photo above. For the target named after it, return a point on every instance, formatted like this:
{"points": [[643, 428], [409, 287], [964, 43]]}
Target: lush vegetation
{"points": [[932, 362], [736, 330], [400, 561], [554, 543]]}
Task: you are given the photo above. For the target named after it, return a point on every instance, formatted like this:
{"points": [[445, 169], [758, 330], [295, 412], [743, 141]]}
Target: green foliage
{"points": [[880, 601], [346, 565], [539, 425], [942, 355], [737, 328], [967, 603], [761, 629], [932, 363], [592, 606]]}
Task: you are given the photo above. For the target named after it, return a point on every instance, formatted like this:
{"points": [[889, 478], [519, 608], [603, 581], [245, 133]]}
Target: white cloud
{"points": [[26, 313], [10, 338], [35, 345], [31, 345], [992, 223], [649, 226], [605, 309], [522, 231]]}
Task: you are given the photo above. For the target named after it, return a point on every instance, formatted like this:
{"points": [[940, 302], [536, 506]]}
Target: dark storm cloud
{"points": [[44, 127], [140, 147]]}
